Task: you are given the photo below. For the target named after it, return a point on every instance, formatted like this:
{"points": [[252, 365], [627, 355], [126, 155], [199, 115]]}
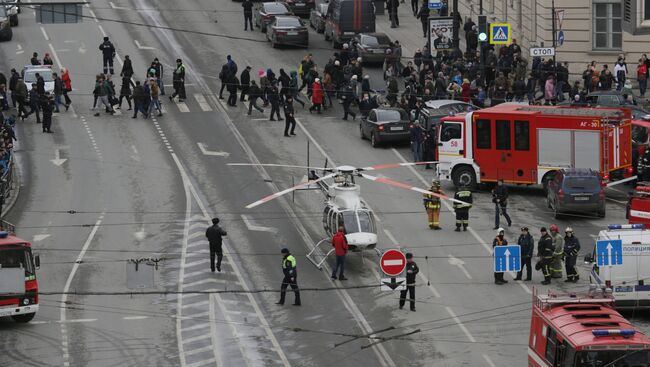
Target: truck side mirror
{"points": [[589, 259]]}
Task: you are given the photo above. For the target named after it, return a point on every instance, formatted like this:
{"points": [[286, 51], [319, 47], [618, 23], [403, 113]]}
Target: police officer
{"points": [[178, 78], [47, 108], [462, 210], [571, 250], [499, 240], [527, 244], [500, 200], [214, 234], [290, 277], [432, 205], [411, 271], [545, 251], [558, 252], [348, 98], [290, 120], [108, 54]]}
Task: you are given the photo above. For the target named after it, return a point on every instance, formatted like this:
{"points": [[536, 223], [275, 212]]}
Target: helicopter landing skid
{"points": [[312, 255]]}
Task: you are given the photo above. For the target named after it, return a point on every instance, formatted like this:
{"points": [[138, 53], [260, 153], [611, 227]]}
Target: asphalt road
{"points": [[147, 188]]}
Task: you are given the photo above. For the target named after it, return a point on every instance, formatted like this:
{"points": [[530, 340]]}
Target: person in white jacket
{"points": [[620, 73]]}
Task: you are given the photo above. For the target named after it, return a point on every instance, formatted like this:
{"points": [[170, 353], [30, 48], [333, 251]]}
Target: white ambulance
{"points": [[629, 282]]}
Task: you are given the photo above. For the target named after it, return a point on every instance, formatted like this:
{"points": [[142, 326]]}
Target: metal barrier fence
{"points": [[6, 184]]}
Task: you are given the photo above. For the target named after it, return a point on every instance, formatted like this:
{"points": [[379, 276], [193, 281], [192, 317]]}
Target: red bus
{"points": [[583, 331]]}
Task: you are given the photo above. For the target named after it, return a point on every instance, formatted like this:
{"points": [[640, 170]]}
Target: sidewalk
{"points": [[409, 32]]}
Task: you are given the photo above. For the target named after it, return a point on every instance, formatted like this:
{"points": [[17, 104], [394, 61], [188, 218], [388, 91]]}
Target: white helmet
{"points": [[568, 229], [345, 45], [500, 230]]}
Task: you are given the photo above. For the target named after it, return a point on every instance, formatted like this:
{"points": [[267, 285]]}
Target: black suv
{"points": [[576, 190]]}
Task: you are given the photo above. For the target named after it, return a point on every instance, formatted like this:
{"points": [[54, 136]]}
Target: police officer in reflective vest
{"points": [[290, 277], [545, 251], [571, 250], [432, 205], [462, 210]]}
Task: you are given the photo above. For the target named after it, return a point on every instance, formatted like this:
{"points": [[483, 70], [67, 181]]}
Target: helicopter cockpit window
{"points": [[365, 222], [350, 222]]}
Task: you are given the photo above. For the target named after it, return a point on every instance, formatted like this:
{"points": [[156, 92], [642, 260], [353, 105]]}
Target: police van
{"points": [[627, 281]]}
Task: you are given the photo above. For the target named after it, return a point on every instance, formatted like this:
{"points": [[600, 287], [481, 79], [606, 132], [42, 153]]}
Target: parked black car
{"points": [[301, 7], [266, 12], [317, 17], [371, 46], [576, 190], [288, 31], [385, 125]]}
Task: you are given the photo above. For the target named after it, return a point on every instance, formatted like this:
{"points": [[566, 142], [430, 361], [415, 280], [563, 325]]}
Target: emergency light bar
{"points": [[626, 333], [625, 226], [4, 234], [645, 189]]}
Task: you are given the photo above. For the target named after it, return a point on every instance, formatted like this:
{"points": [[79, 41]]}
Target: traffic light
{"points": [[482, 28]]}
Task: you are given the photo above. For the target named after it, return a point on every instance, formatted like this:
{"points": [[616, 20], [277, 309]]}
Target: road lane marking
{"points": [[252, 227], [460, 324], [47, 38], [205, 151], [459, 263], [488, 360], [55, 55], [92, 13], [135, 317], [204, 362], [392, 238], [138, 45], [73, 321], [205, 106], [101, 29], [195, 338], [66, 289], [40, 237], [116, 7], [182, 106]]}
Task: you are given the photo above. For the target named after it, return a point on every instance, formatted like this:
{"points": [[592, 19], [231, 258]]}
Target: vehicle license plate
{"points": [[6, 311], [300, 4], [623, 289], [397, 128], [581, 198], [292, 33]]}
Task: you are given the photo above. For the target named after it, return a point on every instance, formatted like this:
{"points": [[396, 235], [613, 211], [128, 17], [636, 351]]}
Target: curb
{"points": [[15, 191]]}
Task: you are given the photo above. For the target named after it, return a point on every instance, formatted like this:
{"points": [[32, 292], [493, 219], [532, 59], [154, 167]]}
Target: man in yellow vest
{"points": [[290, 277], [432, 205]]}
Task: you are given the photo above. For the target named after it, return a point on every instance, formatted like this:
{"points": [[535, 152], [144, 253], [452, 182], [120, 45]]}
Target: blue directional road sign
{"points": [[507, 258], [435, 4], [609, 252], [560, 38]]}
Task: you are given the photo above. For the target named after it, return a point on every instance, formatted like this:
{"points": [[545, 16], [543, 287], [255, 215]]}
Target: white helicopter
{"points": [[343, 203]]}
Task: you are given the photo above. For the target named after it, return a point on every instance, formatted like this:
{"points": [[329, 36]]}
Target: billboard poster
{"points": [[441, 31]]}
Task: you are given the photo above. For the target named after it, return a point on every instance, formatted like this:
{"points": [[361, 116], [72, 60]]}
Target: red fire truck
{"points": [[18, 284], [583, 331], [638, 205], [527, 144]]}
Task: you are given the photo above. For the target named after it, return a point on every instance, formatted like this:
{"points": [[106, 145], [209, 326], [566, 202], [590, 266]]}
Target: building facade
{"points": [[594, 30]]}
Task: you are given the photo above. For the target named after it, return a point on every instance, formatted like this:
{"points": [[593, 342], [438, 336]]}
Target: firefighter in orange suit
{"points": [[432, 205]]}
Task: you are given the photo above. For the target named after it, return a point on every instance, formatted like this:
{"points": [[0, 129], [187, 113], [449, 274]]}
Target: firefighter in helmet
{"points": [[571, 250], [558, 251], [462, 210], [643, 165], [545, 251], [432, 205]]}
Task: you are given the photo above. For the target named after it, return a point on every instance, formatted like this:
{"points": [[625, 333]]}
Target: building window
{"points": [[646, 9], [607, 27]]}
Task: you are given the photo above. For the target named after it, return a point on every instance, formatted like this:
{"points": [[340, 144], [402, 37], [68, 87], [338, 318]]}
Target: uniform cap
{"points": [[409, 255], [524, 229], [215, 220], [543, 229], [284, 250]]}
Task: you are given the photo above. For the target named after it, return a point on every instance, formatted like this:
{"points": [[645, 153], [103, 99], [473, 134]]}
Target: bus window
{"points": [[503, 135], [522, 135], [483, 134]]}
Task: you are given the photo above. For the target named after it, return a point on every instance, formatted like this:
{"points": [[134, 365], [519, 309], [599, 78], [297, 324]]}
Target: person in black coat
{"points": [[127, 67], [214, 234], [47, 108], [223, 77], [423, 15], [248, 14], [125, 91], [411, 271], [13, 80], [290, 120], [274, 99], [244, 82], [233, 85], [254, 92], [527, 243]]}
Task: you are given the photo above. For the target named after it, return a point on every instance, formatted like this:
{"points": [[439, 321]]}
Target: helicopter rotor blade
{"points": [[395, 165], [408, 187], [279, 165], [286, 191]]}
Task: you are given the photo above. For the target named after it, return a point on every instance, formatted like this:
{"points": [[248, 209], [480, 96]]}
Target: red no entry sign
{"points": [[392, 262]]}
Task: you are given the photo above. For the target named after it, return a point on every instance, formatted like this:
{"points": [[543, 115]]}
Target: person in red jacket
{"points": [[316, 96], [340, 244]]}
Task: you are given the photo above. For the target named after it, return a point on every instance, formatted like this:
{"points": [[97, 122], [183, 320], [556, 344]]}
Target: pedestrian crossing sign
{"points": [[500, 33]]}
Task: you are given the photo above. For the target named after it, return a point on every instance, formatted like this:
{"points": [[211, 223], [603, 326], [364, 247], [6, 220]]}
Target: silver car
{"points": [[288, 31]]}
